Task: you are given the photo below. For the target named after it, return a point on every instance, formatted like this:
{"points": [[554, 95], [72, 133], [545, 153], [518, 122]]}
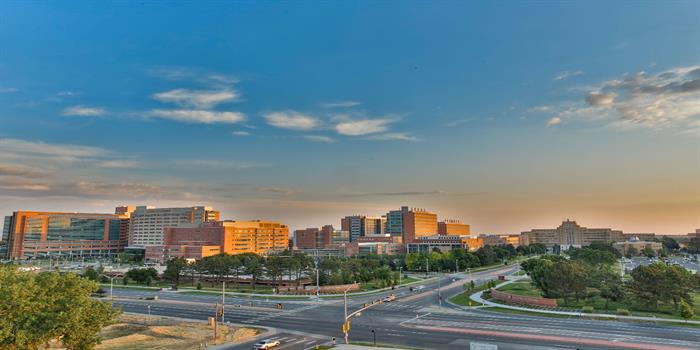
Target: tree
{"points": [[669, 243], [174, 269], [37, 308], [91, 274], [687, 312], [694, 245], [592, 256], [565, 279], [632, 251], [142, 276]]}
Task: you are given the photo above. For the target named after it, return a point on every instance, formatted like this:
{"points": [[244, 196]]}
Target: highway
{"points": [[414, 320]]}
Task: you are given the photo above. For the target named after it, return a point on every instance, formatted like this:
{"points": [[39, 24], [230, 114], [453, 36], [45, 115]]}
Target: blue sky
{"points": [[507, 115]]}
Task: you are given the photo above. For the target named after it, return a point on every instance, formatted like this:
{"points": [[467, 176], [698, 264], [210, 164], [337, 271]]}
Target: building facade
{"points": [[147, 223], [33, 234], [637, 246], [361, 225], [444, 243], [570, 234], [453, 227], [418, 223], [196, 241], [394, 222]]}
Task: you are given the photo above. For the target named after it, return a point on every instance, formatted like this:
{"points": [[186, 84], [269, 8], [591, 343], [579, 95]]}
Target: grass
{"points": [[521, 288], [463, 298], [598, 303], [368, 344]]}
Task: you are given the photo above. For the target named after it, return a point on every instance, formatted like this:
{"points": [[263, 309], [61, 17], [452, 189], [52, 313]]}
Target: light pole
{"points": [[456, 265], [374, 334], [345, 325], [427, 267], [111, 287], [223, 300], [318, 289], [439, 292], [400, 273]]}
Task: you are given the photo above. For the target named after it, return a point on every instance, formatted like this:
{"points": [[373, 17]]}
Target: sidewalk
{"points": [[477, 297]]}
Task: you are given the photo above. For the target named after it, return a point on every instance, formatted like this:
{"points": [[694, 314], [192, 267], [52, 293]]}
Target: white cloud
{"points": [[62, 151], [554, 121], [340, 104], [291, 120], [83, 111], [199, 116], [667, 99], [395, 136], [198, 99], [567, 74], [240, 133], [362, 126], [8, 90], [119, 164], [219, 164], [190, 74], [319, 138], [540, 109]]}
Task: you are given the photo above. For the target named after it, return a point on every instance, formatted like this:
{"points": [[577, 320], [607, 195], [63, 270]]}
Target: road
{"points": [[416, 321]]}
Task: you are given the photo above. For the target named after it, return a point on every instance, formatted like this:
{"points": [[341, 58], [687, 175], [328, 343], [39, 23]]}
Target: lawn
{"points": [[463, 298], [521, 288]]}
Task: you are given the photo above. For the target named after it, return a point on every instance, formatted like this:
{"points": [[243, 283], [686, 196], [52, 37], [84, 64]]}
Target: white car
{"points": [[266, 344]]}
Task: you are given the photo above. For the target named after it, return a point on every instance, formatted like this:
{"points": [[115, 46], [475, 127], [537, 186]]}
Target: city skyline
{"points": [[508, 118]]}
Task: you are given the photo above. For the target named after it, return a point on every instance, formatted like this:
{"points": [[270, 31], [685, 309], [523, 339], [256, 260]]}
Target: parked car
{"points": [[266, 344]]}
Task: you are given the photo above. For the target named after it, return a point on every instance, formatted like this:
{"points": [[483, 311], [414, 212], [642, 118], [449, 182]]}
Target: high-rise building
{"points": [[33, 234], [453, 227], [361, 225], [147, 223], [195, 241], [418, 223], [394, 222], [570, 234]]}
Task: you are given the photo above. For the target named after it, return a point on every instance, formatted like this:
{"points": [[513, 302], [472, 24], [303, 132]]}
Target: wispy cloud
{"points": [[57, 151], [198, 116], [340, 104], [319, 138], [291, 120], [670, 98], [240, 133], [395, 136], [84, 111], [192, 74], [277, 190], [220, 164], [567, 74], [120, 164], [362, 127], [198, 99], [8, 90], [456, 122], [20, 171]]}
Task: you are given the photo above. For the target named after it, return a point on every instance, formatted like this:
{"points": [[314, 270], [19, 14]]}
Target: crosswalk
{"points": [[290, 313]]}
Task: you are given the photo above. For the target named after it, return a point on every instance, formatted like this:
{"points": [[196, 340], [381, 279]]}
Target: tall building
{"points": [[195, 241], [570, 234], [418, 223], [32, 234], [361, 225], [453, 227], [394, 222], [147, 223]]}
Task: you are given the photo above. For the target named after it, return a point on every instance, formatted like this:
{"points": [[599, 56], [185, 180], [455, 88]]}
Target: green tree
{"points": [[687, 312], [669, 243], [174, 269], [142, 276], [91, 274], [632, 251], [564, 279], [37, 308], [648, 252]]}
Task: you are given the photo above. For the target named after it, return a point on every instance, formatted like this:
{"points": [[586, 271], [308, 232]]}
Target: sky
{"points": [[508, 115]]}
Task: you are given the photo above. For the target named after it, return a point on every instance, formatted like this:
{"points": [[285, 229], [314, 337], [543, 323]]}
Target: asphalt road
{"points": [[416, 320]]}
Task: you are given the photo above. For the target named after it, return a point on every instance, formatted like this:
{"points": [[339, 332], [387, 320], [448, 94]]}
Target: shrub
{"points": [[125, 281], [623, 312], [199, 285], [587, 309], [486, 294]]}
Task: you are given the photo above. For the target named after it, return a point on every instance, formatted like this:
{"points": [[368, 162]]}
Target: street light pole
{"points": [[456, 265], [111, 287], [374, 334], [439, 292], [345, 325], [400, 273], [318, 289], [223, 300]]}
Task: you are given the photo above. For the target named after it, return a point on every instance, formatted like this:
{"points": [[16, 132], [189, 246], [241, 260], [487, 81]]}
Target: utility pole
{"points": [[223, 300]]}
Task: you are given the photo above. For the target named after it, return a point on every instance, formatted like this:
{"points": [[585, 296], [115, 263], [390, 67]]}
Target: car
{"points": [[266, 344]]}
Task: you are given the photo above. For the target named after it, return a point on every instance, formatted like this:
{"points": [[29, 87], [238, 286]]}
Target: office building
{"points": [[394, 222], [418, 223], [570, 234], [33, 234], [147, 223], [444, 243], [453, 227], [361, 225], [196, 241], [634, 244]]}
